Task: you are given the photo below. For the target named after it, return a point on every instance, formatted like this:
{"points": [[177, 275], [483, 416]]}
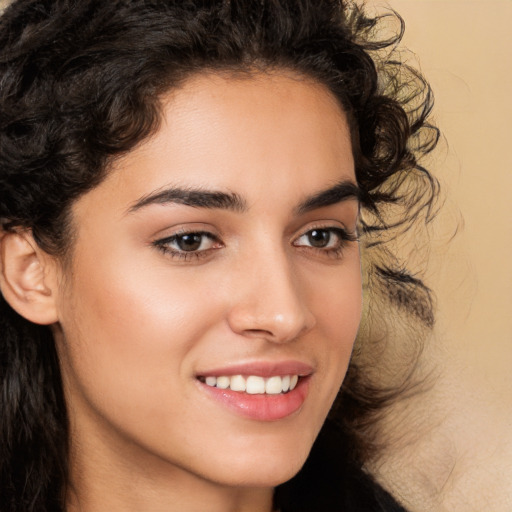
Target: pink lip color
{"points": [[267, 369], [261, 407]]}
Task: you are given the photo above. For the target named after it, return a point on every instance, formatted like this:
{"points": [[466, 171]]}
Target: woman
{"points": [[183, 190]]}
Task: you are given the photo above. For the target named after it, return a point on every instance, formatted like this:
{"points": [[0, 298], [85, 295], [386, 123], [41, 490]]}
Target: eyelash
{"points": [[344, 237], [164, 245]]}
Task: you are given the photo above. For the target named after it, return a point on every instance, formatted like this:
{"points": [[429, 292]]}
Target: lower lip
{"points": [[261, 407]]}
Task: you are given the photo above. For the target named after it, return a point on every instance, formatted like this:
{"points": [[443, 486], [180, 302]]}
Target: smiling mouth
{"points": [[253, 384]]}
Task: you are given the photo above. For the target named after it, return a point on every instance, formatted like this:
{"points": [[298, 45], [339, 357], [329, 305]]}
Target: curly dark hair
{"points": [[81, 83]]}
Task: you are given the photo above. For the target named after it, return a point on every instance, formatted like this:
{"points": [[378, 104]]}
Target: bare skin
{"points": [[161, 293]]}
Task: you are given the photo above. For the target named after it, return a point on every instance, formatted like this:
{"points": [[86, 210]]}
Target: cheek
{"points": [[129, 329], [125, 297], [337, 299], [338, 309]]}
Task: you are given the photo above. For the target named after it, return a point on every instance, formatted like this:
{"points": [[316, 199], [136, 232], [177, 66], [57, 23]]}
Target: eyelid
{"points": [[163, 242], [343, 233], [329, 224], [344, 238], [186, 228]]}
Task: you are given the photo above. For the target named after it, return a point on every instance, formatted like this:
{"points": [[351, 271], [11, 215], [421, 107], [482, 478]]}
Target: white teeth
{"points": [[211, 381], [254, 384], [285, 383], [223, 382], [274, 386], [237, 383]]}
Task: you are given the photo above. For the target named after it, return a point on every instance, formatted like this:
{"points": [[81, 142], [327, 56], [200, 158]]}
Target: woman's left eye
{"points": [[325, 239], [191, 244]]}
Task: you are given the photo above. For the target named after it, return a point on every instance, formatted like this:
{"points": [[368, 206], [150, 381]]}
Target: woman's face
{"points": [[220, 252]]}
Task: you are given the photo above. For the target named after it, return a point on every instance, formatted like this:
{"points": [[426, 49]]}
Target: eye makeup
{"points": [[193, 244]]}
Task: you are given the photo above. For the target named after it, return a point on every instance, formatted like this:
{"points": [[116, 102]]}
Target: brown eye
{"points": [[329, 241], [322, 238], [319, 237], [193, 242], [190, 241]]}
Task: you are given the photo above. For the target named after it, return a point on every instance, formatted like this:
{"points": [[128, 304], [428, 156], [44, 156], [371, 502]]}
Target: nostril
{"points": [[258, 332]]}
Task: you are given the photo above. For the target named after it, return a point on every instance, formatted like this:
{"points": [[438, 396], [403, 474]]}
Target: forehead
{"points": [[244, 134]]}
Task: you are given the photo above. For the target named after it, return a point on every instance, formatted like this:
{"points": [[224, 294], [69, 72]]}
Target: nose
{"points": [[269, 301]]}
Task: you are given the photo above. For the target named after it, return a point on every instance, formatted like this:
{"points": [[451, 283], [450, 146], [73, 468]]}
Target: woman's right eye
{"points": [[186, 245]]}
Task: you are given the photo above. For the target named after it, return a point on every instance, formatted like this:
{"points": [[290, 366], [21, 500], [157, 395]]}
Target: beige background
{"points": [[465, 50], [454, 448]]}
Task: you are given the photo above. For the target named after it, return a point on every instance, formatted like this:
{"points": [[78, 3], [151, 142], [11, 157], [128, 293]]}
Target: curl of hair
{"points": [[80, 84]]}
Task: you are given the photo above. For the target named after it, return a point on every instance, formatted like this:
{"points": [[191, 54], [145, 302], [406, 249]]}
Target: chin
{"points": [[256, 477], [263, 469]]}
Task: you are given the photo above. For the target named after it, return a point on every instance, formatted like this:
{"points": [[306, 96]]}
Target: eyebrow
{"points": [[199, 198], [342, 191], [196, 198]]}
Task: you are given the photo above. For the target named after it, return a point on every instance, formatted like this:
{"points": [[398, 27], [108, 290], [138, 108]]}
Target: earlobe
{"points": [[27, 277]]}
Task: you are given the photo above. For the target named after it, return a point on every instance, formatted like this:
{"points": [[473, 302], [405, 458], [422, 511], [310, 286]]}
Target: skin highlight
{"points": [[138, 324]]}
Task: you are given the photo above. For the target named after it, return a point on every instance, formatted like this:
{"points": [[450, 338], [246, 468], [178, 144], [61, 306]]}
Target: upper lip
{"points": [[261, 368]]}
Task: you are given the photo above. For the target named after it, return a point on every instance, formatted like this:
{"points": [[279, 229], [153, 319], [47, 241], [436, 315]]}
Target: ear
{"points": [[28, 277]]}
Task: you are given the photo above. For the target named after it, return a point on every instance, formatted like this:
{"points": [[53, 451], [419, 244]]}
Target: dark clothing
{"points": [[331, 482]]}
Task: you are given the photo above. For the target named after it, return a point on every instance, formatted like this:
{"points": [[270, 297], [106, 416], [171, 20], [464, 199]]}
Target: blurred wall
{"points": [[465, 50], [461, 457]]}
